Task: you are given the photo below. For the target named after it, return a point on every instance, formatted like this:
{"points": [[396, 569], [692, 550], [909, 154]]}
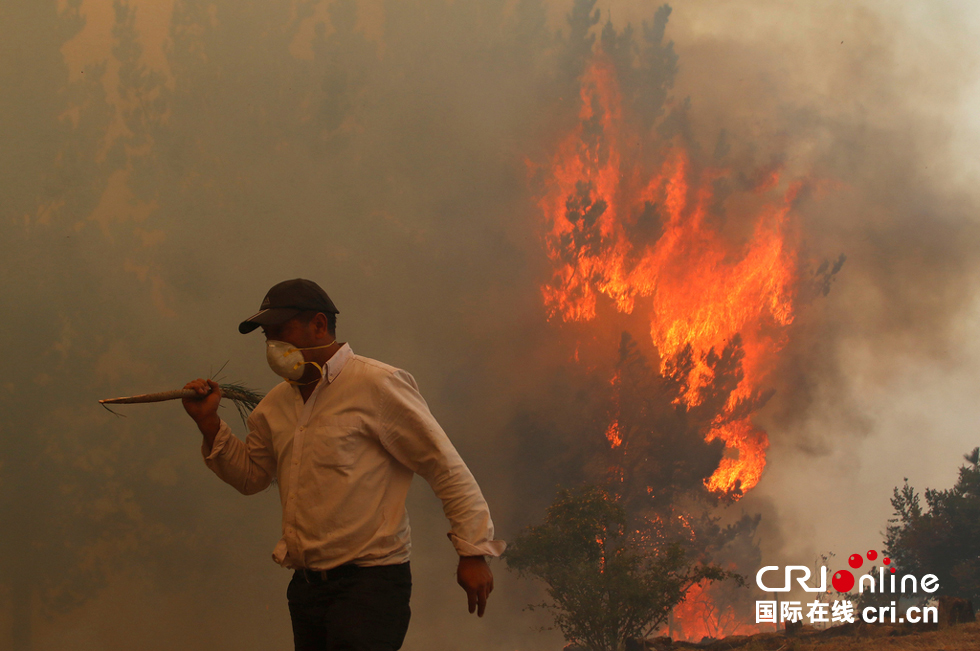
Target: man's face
{"points": [[296, 331], [299, 333], [304, 333]]}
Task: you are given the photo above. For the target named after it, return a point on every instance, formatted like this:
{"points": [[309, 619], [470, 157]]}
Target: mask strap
{"points": [[315, 347], [319, 368]]}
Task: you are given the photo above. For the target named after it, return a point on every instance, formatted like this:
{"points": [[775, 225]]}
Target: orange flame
{"points": [[699, 286], [612, 434], [699, 616]]}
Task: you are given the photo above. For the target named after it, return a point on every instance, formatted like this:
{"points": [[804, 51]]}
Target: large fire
{"points": [[633, 219]]}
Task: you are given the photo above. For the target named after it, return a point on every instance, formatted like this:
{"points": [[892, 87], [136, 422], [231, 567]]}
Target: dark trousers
{"points": [[350, 609]]}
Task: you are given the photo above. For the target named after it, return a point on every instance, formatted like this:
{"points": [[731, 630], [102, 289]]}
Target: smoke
{"points": [[165, 163], [870, 387]]}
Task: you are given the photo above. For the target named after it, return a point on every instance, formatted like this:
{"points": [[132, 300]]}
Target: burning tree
{"points": [[695, 267], [607, 585]]}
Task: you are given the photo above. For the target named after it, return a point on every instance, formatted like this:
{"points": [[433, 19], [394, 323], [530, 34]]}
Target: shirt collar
{"points": [[337, 362]]}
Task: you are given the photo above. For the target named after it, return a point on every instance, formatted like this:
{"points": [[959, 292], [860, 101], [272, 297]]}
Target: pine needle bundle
{"points": [[241, 396]]}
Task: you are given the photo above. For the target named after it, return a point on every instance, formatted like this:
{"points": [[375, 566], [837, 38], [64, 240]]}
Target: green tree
{"points": [[944, 538], [608, 584]]}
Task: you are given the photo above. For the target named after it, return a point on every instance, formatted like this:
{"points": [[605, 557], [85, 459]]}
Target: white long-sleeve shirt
{"points": [[344, 461]]}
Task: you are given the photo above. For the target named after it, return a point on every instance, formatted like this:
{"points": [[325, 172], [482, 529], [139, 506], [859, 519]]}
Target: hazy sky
{"points": [[166, 161]]}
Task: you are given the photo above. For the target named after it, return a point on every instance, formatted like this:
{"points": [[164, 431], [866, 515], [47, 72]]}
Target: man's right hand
{"points": [[204, 408]]}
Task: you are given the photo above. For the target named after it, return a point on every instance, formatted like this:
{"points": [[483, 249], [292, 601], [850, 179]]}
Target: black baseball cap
{"points": [[286, 300]]}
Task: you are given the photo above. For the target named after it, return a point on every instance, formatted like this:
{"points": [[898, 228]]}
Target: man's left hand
{"points": [[474, 576]]}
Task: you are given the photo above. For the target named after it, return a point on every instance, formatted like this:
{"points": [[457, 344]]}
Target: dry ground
{"points": [[851, 637]]}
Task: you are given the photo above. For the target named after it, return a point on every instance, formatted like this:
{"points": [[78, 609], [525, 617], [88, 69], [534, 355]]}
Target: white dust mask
{"points": [[287, 361]]}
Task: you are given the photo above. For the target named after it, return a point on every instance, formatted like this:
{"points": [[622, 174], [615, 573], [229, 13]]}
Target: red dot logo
{"points": [[843, 581], [855, 561], [872, 554], [886, 560]]}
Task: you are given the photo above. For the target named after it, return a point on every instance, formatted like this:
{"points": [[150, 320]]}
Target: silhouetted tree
{"points": [[944, 538]]}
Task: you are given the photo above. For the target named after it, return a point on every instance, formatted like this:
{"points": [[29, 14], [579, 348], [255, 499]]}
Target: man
{"points": [[342, 436]]}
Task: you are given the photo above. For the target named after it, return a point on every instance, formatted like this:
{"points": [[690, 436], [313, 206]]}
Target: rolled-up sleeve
{"points": [[411, 434], [247, 466]]}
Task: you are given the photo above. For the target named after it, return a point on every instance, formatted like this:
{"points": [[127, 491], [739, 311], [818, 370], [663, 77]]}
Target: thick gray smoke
{"points": [[164, 163]]}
